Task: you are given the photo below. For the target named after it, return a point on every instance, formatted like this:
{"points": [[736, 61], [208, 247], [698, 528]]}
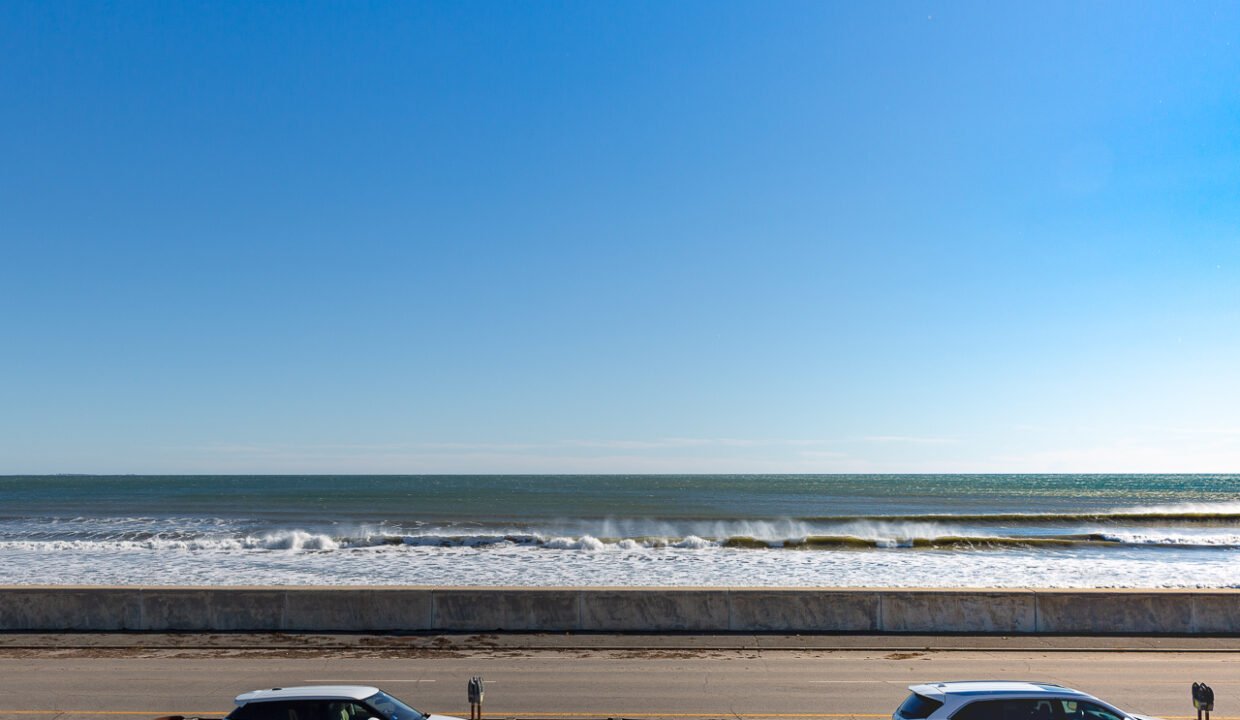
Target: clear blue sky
{"points": [[619, 237]]}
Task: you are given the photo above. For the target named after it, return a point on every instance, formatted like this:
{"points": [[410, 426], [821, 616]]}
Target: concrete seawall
{"points": [[701, 610]]}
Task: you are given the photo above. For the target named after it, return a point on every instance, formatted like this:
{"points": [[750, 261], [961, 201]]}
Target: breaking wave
{"points": [[301, 541], [1209, 526], [1188, 514]]}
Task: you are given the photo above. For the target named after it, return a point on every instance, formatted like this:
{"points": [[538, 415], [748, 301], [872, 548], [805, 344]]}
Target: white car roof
{"points": [[992, 687], [308, 692]]}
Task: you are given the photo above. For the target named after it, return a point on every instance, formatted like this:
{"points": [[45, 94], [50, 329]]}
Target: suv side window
{"points": [[279, 710], [1030, 709], [347, 710]]}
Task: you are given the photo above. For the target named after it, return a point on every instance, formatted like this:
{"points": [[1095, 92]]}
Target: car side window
{"points": [[347, 710], [981, 710], [1084, 710], [1011, 710], [279, 710]]}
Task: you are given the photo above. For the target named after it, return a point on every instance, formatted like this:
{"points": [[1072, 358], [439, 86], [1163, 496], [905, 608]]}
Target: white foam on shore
{"points": [[588, 565], [873, 534], [1173, 538], [1188, 508]]}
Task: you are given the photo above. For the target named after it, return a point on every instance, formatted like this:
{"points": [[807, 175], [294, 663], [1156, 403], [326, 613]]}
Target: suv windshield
{"points": [[392, 709]]}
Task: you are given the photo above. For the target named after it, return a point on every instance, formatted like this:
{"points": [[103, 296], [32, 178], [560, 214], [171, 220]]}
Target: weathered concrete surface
{"points": [[70, 608], [1009, 611], [212, 609], [481, 610], [808, 611], [1139, 611], [1216, 613], [383, 609], [654, 610], [701, 610]]}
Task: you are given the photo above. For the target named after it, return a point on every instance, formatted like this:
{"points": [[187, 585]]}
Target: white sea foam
{"points": [[1188, 508], [1227, 539], [693, 542], [771, 530], [897, 533], [294, 540], [135, 550], [585, 542], [534, 566], [883, 535]]}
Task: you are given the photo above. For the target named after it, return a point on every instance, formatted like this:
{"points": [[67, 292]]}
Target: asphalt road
{"points": [[577, 683]]}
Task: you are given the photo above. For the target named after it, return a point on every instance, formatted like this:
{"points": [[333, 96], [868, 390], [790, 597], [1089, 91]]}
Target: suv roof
{"points": [[1009, 688], [308, 692]]}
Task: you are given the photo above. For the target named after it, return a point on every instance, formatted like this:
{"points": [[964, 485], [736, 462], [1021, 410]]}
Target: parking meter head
{"points": [[1203, 697]]}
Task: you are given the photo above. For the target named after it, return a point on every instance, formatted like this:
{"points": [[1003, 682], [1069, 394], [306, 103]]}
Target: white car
{"points": [[1005, 700], [325, 702]]}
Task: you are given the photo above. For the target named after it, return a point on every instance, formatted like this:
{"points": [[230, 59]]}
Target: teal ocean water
{"points": [[729, 530]]}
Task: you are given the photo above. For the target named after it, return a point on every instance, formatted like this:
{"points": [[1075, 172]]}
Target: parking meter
{"points": [[1203, 700], [475, 692]]}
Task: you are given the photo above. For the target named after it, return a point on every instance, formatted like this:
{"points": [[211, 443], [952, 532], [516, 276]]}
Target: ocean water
{"points": [[688, 530]]}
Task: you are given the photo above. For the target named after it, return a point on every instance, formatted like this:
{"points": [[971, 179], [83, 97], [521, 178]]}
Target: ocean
{"points": [[1078, 531]]}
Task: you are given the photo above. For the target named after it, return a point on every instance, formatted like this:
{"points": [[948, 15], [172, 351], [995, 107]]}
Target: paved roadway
{"points": [[573, 683]]}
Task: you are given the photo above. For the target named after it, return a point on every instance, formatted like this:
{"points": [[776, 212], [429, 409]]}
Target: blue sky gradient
{"points": [[619, 237]]}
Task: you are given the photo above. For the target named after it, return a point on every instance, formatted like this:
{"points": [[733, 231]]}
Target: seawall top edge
{"points": [[635, 589]]}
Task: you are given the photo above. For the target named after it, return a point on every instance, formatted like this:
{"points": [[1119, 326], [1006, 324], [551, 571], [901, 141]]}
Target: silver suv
{"points": [[1005, 700], [325, 702]]}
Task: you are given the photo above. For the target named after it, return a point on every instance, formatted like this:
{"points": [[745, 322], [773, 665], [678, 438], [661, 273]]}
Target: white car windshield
{"points": [[392, 709]]}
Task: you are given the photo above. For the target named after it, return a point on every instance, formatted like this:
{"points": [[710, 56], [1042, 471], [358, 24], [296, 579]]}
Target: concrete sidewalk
{"points": [[492, 642]]}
